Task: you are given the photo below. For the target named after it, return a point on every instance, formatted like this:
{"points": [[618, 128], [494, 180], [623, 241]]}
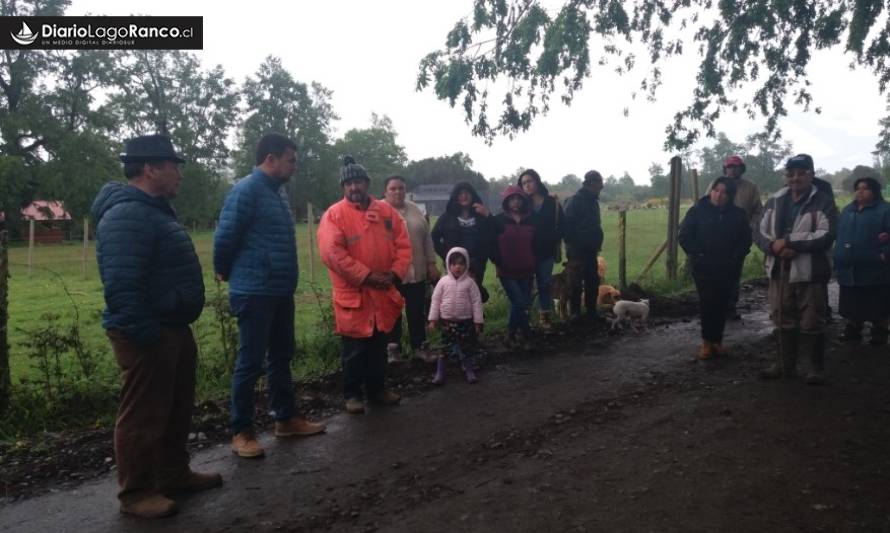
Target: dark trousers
{"points": [[266, 333], [364, 363], [415, 298], [155, 411], [583, 277], [734, 290], [519, 292], [713, 298]]}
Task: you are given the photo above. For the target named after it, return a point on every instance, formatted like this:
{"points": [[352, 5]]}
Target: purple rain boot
{"points": [[439, 376], [469, 371]]}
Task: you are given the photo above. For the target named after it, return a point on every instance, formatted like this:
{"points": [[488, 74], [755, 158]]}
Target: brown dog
{"points": [[560, 287], [607, 296]]}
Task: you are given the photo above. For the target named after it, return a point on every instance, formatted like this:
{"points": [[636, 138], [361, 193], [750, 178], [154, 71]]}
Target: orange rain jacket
{"points": [[352, 244]]}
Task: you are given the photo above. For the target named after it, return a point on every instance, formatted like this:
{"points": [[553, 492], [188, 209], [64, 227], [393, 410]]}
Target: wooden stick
{"points": [[30, 245], [660, 250], [310, 219], [622, 249], [86, 244]]}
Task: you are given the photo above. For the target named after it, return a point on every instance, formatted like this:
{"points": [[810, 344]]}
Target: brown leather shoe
{"points": [[298, 427], [151, 506], [194, 482], [354, 406], [245, 445], [386, 397]]}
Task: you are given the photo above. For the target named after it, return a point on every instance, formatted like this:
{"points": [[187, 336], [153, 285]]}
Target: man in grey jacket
{"points": [[796, 233]]}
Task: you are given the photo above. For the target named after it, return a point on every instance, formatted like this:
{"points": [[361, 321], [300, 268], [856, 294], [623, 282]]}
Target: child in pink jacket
{"points": [[457, 307]]}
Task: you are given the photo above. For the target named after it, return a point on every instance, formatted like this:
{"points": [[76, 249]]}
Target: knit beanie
{"points": [[352, 171]]}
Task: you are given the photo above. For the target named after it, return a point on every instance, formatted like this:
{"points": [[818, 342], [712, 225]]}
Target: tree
{"points": [[764, 159], [859, 171], [660, 183], [167, 92], [448, 169], [764, 45], [275, 101], [26, 119], [376, 149], [711, 157]]}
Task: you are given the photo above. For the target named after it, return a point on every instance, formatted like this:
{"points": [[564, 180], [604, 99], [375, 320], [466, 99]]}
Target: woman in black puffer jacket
{"points": [[716, 237]]}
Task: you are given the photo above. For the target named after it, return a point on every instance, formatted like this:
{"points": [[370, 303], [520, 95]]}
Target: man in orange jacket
{"points": [[364, 243]]}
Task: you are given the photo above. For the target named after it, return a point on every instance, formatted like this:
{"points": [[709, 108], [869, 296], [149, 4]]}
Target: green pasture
{"points": [[56, 286]]}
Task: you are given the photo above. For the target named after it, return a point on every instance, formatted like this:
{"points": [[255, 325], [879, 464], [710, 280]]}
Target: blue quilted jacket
{"points": [[255, 246], [147, 262], [857, 252]]}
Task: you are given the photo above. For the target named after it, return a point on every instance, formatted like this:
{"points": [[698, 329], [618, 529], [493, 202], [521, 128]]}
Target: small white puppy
{"points": [[625, 310]]}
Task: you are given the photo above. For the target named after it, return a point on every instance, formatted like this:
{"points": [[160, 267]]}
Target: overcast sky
{"points": [[368, 52]]}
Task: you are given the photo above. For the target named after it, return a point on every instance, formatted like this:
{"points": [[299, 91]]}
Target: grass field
{"points": [[56, 286]]}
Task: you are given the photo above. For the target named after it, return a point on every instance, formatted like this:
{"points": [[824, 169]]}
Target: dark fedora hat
{"points": [[150, 148]]}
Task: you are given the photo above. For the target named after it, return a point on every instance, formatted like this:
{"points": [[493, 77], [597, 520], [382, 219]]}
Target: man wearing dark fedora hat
{"points": [[154, 290]]}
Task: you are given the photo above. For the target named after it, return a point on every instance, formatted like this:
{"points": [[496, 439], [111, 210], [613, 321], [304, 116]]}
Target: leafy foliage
{"points": [[275, 101], [766, 45], [376, 149], [448, 169]]}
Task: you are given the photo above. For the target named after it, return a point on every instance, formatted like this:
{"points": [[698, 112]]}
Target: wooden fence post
{"points": [[673, 218], [5, 381], [694, 186], [86, 245], [30, 245], [310, 219], [622, 249]]}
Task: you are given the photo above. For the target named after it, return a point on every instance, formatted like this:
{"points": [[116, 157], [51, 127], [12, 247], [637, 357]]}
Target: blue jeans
{"points": [[266, 330], [519, 291], [544, 279]]}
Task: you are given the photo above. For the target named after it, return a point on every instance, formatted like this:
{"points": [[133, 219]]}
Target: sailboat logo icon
{"points": [[25, 36]]}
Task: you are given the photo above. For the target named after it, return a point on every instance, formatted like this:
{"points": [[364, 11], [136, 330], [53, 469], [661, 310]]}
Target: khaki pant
{"points": [[804, 305], [155, 412]]}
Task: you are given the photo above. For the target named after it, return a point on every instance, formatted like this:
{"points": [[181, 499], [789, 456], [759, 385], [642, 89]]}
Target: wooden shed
{"points": [[52, 221]]}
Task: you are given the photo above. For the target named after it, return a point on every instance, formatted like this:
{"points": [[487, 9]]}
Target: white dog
{"points": [[627, 311]]}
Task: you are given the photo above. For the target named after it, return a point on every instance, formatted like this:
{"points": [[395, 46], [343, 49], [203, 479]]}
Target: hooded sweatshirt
{"points": [[456, 299], [147, 262], [515, 257], [475, 234]]}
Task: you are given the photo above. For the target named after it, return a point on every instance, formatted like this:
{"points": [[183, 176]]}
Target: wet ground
{"points": [[591, 433]]}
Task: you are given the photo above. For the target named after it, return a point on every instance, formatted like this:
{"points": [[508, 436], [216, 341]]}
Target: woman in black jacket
{"points": [[716, 237], [469, 224], [548, 221]]}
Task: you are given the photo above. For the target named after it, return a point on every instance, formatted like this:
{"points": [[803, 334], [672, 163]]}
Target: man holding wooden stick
{"points": [[796, 233]]}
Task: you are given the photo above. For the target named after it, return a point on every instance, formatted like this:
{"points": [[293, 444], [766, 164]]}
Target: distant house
{"points": [[52, 222], [432, 199]]}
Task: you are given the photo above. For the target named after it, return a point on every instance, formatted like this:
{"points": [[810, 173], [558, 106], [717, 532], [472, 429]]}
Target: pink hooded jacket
{"points": [[456, 299]]}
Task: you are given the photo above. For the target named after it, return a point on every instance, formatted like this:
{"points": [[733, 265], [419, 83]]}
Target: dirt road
{"points": [[621, 433]]}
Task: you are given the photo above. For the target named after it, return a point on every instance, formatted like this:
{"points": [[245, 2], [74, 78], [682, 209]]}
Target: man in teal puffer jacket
{"points": [[153, 291], [255, 250]]}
